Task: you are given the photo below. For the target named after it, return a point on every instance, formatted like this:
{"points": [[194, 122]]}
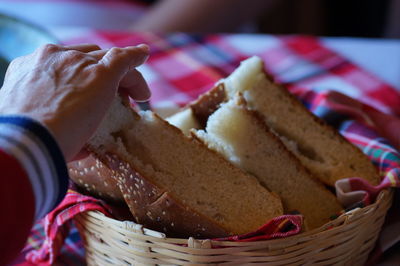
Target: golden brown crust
{"points": [[153, 207], [207, 103], [94, 178]]}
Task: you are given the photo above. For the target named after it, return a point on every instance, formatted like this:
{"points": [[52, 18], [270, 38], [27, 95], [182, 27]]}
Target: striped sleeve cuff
{"points": [[39, 154]]}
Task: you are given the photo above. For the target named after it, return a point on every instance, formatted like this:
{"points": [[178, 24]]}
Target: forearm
{"points": [[201, 15], [34, 178]]}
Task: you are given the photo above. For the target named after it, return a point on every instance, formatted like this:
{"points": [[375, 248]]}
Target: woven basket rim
{"points": [[347, 240], [335, 224]]}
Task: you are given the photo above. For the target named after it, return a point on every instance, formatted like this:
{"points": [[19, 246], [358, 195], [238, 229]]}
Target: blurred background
{"points": [[374, 24], [357, 18]]}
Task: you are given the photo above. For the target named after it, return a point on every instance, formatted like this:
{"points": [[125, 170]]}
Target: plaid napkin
{"points": [[182, 66], [57, 225], [279, 227]]}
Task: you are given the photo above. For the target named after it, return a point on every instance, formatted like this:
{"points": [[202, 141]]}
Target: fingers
{"points": [[135, 51], [52, 48], [121, 63], [120, 60], [135, 86], [98, 54], [84, 48]]}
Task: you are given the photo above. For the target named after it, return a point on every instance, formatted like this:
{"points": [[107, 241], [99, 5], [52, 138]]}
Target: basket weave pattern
{"points": [[346, 240]]}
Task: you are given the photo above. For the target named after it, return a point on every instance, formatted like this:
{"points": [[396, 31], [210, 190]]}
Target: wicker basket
{"points": [[346, 240]]}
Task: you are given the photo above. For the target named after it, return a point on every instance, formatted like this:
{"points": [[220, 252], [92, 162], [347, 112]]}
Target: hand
{"points": [[69, 89]]}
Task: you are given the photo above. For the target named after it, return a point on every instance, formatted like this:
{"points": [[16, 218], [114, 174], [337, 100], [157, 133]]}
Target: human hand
{"points": [[69, 89]]}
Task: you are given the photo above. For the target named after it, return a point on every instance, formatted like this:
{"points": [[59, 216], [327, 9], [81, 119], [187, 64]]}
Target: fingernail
{"points": [[144, 47]]}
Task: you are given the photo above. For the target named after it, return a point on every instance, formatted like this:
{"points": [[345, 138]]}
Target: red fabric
{"points": [[279, 227], [386, 125], [57, 226], [17, 208]]}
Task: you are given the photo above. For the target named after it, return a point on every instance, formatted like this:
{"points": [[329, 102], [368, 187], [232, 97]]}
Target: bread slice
{"points": [[174, 183], [319, 147], [244, 139]]}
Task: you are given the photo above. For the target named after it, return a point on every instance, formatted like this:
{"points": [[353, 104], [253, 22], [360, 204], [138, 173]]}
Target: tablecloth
{"points": [[182, 66]]}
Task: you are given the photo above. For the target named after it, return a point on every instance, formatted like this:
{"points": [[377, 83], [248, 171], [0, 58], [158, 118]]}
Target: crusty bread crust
{"points": [[95, 178], [207, 103], [155, 208]]}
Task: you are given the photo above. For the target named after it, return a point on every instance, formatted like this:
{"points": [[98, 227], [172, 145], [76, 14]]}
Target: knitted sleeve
{"points": [[34, 179]]}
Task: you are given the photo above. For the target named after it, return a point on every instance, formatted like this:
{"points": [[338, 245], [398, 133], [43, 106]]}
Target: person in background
{"points": [[203, 16], [357, 18], [51, 103]]}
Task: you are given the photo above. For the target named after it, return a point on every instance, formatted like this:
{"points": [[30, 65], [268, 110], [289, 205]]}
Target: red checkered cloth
{"points": [[57, 225], [182, 66]]}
